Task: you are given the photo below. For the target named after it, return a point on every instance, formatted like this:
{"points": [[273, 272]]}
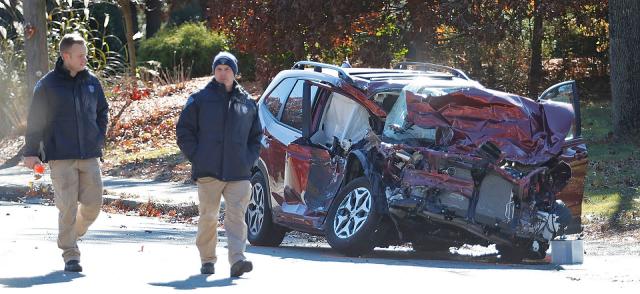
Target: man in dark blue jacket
{"points": [[66, 127], [219, 132]]}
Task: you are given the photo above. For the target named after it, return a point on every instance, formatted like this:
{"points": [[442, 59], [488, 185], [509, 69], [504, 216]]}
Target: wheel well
{"points": [[255, 169], [354, 169], [259, 167]]}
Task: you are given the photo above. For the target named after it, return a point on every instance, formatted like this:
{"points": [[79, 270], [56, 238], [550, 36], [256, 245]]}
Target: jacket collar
{"points": [[237, 93], [64, 72]]}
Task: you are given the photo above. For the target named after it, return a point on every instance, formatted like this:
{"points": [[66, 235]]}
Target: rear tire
{"points": [[352, 223], [261, 231]]}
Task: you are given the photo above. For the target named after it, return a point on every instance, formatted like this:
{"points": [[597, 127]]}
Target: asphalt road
{"points": [[148, 255]]}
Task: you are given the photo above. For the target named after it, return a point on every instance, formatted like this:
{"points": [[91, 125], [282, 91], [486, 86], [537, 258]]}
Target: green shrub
{"points": [[246, 65], [192, 44]]}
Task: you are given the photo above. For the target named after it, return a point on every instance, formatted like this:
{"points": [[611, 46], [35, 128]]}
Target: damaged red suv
{"points": [[419, 153]]}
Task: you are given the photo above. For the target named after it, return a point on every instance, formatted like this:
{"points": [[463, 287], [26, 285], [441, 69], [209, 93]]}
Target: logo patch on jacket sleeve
{"points": [[92, 88]]}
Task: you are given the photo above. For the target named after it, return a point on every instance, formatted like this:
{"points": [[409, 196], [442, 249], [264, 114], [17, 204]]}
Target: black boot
{"points": [[72, 266], [207, 268], [241, 267]]}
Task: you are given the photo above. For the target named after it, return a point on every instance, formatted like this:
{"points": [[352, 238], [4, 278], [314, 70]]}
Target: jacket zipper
{"points": [[224, 135], [80, 129]]}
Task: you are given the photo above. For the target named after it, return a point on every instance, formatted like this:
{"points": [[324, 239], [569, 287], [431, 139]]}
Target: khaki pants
{"points": [[236, 196], [75, 181]]}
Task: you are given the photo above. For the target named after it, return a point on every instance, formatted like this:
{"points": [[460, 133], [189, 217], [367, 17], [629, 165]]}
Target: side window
{"points": [[563, 93], [277, 97], [292, 114]]}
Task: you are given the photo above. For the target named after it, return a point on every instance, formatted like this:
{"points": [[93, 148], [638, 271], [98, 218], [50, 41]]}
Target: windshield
{"points": [[397, 125]]}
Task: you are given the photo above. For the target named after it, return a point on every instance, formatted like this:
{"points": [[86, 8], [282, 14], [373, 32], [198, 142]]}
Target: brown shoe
{"points": [[241, 267]]}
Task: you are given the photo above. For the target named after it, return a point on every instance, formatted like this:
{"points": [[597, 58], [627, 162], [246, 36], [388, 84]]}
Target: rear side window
{"points": [[292, 114], [277, 97]]}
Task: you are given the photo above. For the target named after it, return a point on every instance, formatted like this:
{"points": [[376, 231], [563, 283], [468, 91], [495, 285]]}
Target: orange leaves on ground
{"points": [[149, 209], [181, 214], [132, 92]]}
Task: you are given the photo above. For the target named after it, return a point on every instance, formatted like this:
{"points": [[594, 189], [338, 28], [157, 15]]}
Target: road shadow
{"points": [[393, 257], [50, 278], [147, 235], [195, 282]]}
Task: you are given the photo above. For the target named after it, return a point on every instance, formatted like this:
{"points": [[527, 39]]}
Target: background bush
{"points": [[191, 43]]}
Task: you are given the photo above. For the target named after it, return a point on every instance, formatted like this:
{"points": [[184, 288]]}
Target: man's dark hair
{"points": [[69, 40]]}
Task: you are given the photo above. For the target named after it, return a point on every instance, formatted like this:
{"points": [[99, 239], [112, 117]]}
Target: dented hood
{"points": [[526, 131]]}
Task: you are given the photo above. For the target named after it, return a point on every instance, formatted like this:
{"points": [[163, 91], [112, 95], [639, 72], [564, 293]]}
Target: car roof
{"points": [[374, 80]]}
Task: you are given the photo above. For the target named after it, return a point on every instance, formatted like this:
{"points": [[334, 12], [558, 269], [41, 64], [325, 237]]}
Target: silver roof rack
{"points": [[318, 66], [424, 66]]}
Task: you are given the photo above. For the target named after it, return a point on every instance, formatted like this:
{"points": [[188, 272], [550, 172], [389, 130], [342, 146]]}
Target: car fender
{"points": [[262, 167], [375, 178]]}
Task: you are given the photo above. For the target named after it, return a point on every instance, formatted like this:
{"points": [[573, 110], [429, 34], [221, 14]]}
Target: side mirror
{"points": [[565, 92]]}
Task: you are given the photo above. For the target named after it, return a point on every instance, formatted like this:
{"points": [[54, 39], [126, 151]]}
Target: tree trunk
{"points": [[473, 50], [131, 30], [35, 42], [153, 11], [421, 36], [133, 7], [535, 68], [624, 29]]}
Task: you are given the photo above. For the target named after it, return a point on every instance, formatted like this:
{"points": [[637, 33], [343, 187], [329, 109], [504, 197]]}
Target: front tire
{"points": [[352, 221], [261, 231], [426, 245], [532, 250]]}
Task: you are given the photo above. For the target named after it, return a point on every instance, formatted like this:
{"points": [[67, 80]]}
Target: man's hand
{"points": [[30, 161]]}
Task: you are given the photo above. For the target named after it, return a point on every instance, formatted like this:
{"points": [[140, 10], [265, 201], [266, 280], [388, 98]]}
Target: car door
{"points": [[309, 178], [276, 138], [574, 151]]}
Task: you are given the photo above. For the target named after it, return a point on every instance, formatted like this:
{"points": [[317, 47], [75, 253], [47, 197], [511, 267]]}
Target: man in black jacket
{"points": [[66, 127], [219, 132]]}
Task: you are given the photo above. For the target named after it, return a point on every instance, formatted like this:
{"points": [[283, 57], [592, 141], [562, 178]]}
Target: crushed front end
{"points": [[475, 166], [441, 196]]}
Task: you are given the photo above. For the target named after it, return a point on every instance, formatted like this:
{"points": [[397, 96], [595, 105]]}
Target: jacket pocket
{"points": [[241, 153], [208, 156], [100, 137], [66, 139], [94, 138]]}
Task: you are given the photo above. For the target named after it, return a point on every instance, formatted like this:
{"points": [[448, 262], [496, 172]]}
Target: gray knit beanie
{"points": [[225, 58]]}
